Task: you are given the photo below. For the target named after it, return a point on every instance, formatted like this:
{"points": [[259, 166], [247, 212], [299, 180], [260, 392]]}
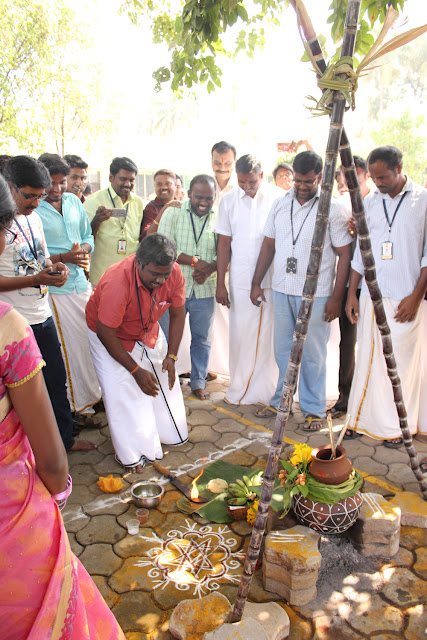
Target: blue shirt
{"points": [[61, 231]]}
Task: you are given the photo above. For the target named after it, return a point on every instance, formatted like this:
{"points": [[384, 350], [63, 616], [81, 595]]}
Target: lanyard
{"points": [[140, 310], [122, 226], [390, 224], [294, 240], [197, 239], [33, 247]]}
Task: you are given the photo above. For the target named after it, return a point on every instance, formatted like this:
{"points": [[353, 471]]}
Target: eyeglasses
{"points": [[31, 196], [306, 183]]}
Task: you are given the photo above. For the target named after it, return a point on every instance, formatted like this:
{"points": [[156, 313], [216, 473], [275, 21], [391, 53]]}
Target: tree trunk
{"points": [[367, 258], [303, 319]]}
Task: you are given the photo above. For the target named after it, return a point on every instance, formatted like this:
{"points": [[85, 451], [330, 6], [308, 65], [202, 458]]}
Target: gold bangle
{"points": [[134, 370], [174, 358], [156, 223]]}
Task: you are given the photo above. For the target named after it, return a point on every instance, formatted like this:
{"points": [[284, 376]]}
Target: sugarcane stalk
{"points": [[378, 304], [303, 319], [367, 257]]}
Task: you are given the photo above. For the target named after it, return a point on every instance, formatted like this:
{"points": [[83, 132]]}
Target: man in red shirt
{"points": [[134, 364]]}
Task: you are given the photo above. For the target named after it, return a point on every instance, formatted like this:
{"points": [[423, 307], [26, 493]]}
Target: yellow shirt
{"points": [[112, 230]]}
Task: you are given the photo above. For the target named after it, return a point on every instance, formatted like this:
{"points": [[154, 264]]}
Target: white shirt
{"points": [[18, 260], [242, 218], [220, 193], [278, 226], [396, 277]]}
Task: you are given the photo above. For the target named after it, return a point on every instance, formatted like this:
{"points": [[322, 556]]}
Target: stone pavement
{"points": [[143, 577]]}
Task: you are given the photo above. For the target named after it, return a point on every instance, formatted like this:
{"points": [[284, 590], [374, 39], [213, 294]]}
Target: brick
{"points": [[278, 573], [292, 596], [295, 549]]}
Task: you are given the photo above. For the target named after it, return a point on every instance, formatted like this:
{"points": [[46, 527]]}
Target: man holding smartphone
{"points": [[69, 240], [25, 272], [115, 214]]}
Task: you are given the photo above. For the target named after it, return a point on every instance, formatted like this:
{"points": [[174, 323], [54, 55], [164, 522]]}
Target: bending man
{"points": [[134, 365]]}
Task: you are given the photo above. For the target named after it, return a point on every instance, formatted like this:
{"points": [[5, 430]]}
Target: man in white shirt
{"points": [[396, 213], [288, 235], [25, 273], [240, 224], [223, 156]]}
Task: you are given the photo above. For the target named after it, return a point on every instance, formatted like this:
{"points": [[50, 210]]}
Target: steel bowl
{"points": [[147, 494]]}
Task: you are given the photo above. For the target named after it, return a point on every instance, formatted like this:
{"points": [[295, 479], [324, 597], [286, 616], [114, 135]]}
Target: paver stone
{"points": [[295, 549], [191, 619], [372, 614], [74, 518], [404, 588], [273, 619], [417, 624], [100, 559], [101, 529], [135, 612], [248, 629], [413, 507]]}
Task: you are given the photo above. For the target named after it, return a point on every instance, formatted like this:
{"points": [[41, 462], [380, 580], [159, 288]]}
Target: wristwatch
{"points": [[194, 260], [172, 356]]}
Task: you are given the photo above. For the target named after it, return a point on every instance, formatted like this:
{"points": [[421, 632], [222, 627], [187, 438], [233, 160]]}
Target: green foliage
{"points": [[42, 96], [404, 132], [196, 32]]}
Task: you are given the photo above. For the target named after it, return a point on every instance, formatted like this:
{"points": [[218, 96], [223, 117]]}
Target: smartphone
{"points": [[118, 213], [54, 273]]}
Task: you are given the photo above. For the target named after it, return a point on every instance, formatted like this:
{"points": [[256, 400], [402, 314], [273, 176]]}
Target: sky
{"points": [[261, 101]]}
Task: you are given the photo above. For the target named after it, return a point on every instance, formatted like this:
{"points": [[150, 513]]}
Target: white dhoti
{"points": [[422, 412], [253, 368], [371, 404], [139, 423], [68, 312], [220, 349]]}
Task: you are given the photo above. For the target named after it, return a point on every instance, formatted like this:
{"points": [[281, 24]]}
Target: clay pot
{"points": [[327, 518], [328, 471]]}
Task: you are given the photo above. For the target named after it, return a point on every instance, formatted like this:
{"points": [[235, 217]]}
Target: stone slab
{"points": [[192, 619], [296, 549], [417, 624], [107, 504], [300, 581], [132, 577], [374, 537], [413, 508], [100, 559], [101, 529], [248, 629], [377, 514], [292, 596], [420, 565], [74, 518], [273, 619], [372, 614], [382, 550], [135, 612], [403, 588]]}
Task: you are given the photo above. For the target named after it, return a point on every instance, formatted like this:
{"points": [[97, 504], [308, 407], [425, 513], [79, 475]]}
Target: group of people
{"points": [[85, 283]]}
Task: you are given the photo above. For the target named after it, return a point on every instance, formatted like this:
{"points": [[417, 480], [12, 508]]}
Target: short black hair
{"points": [[7, 205], [205, 179], [24, 171], [307, 161], [248, 164], [4, 159], [282, 165], [54, 164], [360, 163], [158, 249], [223, 147], [75, 161], [165, 172], [392, 156], [122, 163]]}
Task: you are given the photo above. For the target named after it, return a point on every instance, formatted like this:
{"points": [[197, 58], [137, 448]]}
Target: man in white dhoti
{"points": [[396, 213], [69, 240], [240, 224], [134, 364]]}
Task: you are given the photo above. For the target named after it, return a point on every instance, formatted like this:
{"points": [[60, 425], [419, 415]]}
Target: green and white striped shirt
{"points": [[176, 224]]}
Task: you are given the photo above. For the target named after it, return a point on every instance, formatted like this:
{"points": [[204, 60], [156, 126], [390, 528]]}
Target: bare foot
{"points": [[201, 394], [82, 445], [138, 469]]}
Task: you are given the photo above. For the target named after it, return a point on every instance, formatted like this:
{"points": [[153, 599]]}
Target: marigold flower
{"points": [[301, 455], [250, 516]]}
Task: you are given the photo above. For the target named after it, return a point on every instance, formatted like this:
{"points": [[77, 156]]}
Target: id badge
{"points": [[43, 289], [387, 250], [291, 265], [121, 246]]}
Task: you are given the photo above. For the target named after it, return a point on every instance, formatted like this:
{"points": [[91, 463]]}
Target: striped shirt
{"points": [[278, 226], [176, 224], [396, 277]]}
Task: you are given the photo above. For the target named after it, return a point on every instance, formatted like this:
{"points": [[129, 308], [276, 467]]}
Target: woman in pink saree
{"points": [[45, 592]]}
